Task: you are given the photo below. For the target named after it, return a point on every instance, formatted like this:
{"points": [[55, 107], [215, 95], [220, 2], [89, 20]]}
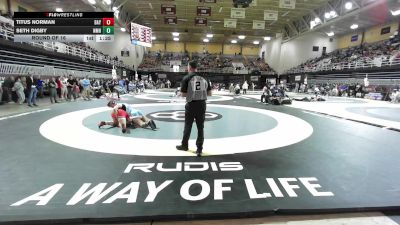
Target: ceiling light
{"points": [[267, 38], [176, 39], [354, 26], [241, 37], [395, 13], [59, 9], [206, 40], [330, 34], [233, 41], [92, 2], [348, 5], [317, 20], [114, 8], [327, 15], [123, 29], [153, 38], [108, 2], [175, 34], [333, 13], [210, 35], [256, 42]]}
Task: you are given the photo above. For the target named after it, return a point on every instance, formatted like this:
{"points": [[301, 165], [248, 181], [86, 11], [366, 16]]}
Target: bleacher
{"points": [[375, 55], [208, 63]]}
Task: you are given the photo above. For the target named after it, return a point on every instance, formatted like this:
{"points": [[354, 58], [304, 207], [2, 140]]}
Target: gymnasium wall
{"points": [[349, 40], [272, 51], [158, 46], [173, 46], [231, 49], [196, 47], [299, 50], [3, 6], [251, 50], [374, 34]]}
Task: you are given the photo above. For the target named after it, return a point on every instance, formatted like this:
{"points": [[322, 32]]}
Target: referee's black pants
{"points": [[194, 110]]}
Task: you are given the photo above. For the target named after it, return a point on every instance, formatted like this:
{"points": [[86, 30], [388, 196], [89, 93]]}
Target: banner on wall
{"points": [[238, 13], [258, 24], [297, 78], [230, 23], [287, 4], [168, 9], [200, 21], [170, 20], [203, 11], [354, 38], [270, 15]]}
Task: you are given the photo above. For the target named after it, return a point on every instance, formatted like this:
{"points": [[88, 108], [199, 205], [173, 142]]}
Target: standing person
{"points": [[31, 90], [86, 88], [39, 87], [245, 86], [53, 90], [19, 89], [196, 89], [71, 85], [127, 84]]}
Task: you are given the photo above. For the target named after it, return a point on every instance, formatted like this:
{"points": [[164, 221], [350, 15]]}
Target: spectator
{"points": [[19, 89], [53, 90], [31, 90]]}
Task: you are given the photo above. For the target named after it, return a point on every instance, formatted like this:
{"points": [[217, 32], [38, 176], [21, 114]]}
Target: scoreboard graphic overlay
{"points": [[141, 35], [64, 27]]}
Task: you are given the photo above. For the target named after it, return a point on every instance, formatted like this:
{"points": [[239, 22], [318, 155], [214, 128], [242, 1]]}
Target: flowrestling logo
{"points": [[179, 116]]}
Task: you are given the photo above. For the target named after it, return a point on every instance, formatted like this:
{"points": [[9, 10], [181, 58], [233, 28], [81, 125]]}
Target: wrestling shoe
{"points": [[182, 147], [102, 123], [124, 131], [198, 152], [152, 124]]}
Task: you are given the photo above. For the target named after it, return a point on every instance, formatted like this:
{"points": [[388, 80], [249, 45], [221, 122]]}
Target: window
{"points": [[315, 48]]}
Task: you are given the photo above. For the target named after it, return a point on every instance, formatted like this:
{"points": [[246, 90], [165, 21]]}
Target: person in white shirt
{"points": [[245, 86]]}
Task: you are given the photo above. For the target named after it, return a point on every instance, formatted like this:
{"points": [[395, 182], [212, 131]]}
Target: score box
{"points": [[108, 30], [108, 21]]}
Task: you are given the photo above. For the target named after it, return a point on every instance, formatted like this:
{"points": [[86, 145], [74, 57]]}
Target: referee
{"points": [[196, 89]]}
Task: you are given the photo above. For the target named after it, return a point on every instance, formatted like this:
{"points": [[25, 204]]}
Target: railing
{"points": [[64, 48], [23, 70], [343, 66], [225, 70]]}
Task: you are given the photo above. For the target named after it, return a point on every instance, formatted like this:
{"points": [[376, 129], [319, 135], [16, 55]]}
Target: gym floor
{"points": [[337, 156]]}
